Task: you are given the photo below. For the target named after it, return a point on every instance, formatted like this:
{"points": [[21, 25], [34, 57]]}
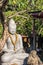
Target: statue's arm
{"points": [[20, 41], [29, 60], [20, 48], [40, 62], [4, 48]]}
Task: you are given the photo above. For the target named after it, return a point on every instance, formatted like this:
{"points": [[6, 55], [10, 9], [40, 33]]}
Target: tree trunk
{"points": [[2, 19]]}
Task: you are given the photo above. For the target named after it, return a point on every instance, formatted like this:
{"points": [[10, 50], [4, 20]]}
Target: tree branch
{"points": [[22, 16], [20, 12]]}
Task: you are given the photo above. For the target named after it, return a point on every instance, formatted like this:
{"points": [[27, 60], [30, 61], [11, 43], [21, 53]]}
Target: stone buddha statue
{"points": [[13, 48]]}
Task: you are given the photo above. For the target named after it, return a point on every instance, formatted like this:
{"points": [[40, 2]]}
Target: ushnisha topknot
{"points": [[11, 21]]}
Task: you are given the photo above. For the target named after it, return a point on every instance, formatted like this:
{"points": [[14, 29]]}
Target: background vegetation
{"points": [[18, 10]]}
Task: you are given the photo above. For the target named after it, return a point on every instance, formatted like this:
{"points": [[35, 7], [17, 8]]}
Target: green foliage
{"points": [[1, 30], [24, 20]]}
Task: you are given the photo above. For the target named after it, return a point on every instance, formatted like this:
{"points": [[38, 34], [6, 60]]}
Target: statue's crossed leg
{"points": [[9, 58]]}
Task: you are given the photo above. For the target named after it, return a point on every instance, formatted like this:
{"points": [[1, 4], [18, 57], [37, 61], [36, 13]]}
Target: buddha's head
{"points": [[12, 26], [33, 53]]}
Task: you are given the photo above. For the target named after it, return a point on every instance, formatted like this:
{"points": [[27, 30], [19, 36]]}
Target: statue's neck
{"points": [[13, 34], [14, 37]]}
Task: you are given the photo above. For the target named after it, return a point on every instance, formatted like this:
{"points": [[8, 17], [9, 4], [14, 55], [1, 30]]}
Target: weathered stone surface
{"points": [[13, 47], [33, 59]]}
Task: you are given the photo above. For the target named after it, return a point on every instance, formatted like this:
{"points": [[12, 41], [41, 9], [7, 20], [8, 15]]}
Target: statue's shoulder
{"points": [[19, 35]]}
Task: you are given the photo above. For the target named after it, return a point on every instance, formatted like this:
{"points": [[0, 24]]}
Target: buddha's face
{"points": [[33, 53], [12, 27]]}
